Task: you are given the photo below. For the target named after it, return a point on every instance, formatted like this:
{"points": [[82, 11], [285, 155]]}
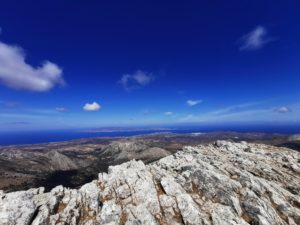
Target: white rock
{"points": [[216, 184]]}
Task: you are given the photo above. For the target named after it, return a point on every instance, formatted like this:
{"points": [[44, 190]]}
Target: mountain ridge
{"points": [[220, 183], [30, 166]]}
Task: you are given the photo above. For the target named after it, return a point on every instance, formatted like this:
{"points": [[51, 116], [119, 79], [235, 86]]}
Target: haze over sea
{"points": [[35, 137]]}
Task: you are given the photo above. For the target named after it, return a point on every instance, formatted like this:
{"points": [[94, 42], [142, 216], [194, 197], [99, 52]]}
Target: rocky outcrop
{"points": [[36, 161], [120, 151], [221, 183], [58, 161]]}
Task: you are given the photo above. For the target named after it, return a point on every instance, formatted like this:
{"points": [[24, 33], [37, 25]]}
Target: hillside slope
{"points": [[221, 183]]}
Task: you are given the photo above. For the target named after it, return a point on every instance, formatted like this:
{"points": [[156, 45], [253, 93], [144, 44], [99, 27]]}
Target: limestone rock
{"points": [[221, 183]]}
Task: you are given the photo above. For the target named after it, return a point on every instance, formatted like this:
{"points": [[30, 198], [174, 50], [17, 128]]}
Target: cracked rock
{"points": [[217, 184]]}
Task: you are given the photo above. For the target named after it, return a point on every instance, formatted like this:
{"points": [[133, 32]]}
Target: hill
{"points": [[220, 183]]}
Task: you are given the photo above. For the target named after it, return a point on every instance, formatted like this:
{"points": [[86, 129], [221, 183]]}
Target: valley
{"points": [[73, 163]]}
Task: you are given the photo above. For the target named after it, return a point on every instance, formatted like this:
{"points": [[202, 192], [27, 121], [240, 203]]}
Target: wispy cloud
{"points": [[283, 109], [168, 113], [194, 102], [60, 109], [255, 40], [190, 118], [29, 113], [237, 112], [17, 74], [21, 116], [9, 104], [17, 123], [136, 80], [235, 108], [146, 112], [91, 107], [247, 112], [245, 115]]}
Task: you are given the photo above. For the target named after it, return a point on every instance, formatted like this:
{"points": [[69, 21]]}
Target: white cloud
{"points": [[252, 111], [250, 114], [255, 40], [283, 109], [60, 109], [232, 111], [136, 80], [168, 113], [235, 108], [92, 106], [193, 102], [16, 73]]}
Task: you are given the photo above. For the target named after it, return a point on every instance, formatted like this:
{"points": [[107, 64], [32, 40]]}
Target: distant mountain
{"points": [[127, 129], [76, 162]]}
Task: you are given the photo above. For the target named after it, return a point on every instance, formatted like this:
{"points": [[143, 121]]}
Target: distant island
{"points": [[125, 129]]}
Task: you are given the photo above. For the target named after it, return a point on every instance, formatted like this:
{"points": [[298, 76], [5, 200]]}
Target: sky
{"points": [[89, 64]]}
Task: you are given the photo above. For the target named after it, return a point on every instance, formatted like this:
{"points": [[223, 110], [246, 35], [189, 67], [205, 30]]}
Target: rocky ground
{"points": [[74, 163], [220, 183]]}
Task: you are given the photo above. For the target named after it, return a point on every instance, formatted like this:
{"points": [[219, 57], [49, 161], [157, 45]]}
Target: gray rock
{"points": [[222, 183]]}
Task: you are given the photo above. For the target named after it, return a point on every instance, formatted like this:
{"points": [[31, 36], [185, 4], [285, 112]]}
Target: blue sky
{"points": [[80, 64]]}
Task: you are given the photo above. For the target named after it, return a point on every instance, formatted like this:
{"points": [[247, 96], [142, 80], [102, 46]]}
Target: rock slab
{"points": [[220, 183]]}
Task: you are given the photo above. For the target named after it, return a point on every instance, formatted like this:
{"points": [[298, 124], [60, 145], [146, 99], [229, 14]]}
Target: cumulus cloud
{"points": [[193, 102], [92, 106], [60, 109], [16, 73], [255, 40], [283, 109], [136, 80], [168, 113]]}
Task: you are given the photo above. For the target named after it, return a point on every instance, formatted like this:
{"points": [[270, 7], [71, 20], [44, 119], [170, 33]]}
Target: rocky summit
{"points": [[220, 183]]}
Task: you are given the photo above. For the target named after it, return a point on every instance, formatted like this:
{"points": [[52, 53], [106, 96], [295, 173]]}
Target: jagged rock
{"points": [[222, 183]]}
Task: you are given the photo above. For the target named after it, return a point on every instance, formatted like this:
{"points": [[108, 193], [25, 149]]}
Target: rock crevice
{"points": [[220, 183]]}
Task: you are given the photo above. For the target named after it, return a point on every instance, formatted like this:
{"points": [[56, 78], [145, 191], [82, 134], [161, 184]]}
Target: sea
{"points": [[35, 137]]}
